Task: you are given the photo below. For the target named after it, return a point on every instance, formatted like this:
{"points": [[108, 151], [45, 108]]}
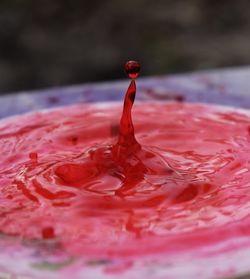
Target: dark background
{"points": [[46, 43]]}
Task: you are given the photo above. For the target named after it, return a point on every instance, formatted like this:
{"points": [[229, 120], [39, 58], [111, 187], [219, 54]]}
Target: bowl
{"points": [[19, 259]]}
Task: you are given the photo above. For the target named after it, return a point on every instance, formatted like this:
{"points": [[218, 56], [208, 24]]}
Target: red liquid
{"points": [[185, 185], [132, 68]]}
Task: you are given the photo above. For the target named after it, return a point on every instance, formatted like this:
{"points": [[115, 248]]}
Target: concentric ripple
{"points": [[191, 178]]}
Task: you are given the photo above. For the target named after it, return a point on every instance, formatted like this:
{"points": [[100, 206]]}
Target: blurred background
{"points": [[47, 43]]}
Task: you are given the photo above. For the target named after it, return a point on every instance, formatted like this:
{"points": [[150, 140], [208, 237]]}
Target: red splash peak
{"points": [[127, 144]]}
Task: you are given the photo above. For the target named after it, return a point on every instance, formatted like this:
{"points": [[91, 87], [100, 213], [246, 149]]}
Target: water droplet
{"points": [[132, 68], [48, 233], [33, 157]]}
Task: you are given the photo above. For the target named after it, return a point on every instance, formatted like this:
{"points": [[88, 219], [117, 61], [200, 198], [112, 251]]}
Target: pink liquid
{"points": [[64, 176]]}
